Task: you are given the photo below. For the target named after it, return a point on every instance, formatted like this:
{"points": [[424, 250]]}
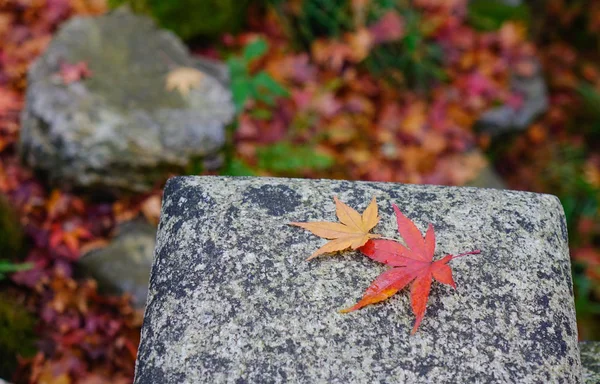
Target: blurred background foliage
{"points": [[192, 18]]}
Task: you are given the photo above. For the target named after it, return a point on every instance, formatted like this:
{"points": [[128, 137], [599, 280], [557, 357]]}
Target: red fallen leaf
{"points": [[70, 235], [389, 28], [413, 263], [71, 73]]}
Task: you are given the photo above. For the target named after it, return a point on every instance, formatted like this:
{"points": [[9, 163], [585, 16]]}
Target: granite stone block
{"points": [[232, 299], [590, 360]]}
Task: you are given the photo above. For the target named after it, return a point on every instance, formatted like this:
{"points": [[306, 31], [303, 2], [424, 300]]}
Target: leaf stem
{"points": [[475, 252], [387, 238]]}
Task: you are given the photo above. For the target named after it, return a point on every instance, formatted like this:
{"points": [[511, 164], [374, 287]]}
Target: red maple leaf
{"points": [[71, 73], [413, 263]]}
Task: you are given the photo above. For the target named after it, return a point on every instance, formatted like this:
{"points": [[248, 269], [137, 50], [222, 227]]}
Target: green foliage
{"points": [[324, 18], [579, 199], [565, 175], [255, 50], [192, 18], [11, 240], [16, 334], [236, 167], [11, 236], [585, 306], [7, 266], [412, 61], [418, 61], [245, 86], [288, 158], [591, 101], [489, 15]]}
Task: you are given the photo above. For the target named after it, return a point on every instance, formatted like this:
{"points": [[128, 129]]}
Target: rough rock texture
{"points": [[119, 129], [232, 299], [124, 265], [590, 359], [506, 118]]}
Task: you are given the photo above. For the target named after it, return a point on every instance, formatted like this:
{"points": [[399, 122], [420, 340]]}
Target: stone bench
{"points": [[232, 299]]}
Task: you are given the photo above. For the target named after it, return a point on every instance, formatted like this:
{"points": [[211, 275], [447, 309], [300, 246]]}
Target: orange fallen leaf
{"points": [[184, 79], [351, 232]]}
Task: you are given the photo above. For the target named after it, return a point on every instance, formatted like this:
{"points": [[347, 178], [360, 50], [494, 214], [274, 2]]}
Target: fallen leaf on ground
{"points": [[413, 263], [389, 28], [351, 232], [71, 73], [184, 79], [93, 245], [151, 209]]}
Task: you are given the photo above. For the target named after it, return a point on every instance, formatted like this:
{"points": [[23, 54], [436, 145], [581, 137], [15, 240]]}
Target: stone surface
{"points": [[506, 118], [232, 299], [590, 359], [119, 129], [124, 265]]}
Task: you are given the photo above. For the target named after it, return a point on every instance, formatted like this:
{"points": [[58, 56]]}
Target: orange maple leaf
{"points": [[413, 263], [351, 232], [184, 79]]}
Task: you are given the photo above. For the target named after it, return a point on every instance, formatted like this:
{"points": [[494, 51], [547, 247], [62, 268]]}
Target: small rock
{"points": [[488, 178], [509, 118], [117, 128], [124, 265]]}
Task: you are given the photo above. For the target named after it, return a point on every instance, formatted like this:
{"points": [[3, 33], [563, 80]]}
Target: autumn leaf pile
{"points": [[329, 116], [412, 263], [84, 337]]}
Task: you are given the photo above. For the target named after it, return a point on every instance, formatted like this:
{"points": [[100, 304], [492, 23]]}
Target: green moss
{"points": [[17, 337]]}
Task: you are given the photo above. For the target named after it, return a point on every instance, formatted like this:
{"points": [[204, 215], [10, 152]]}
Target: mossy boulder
{"points": [[17, 337], [192, 18], [120, 130]]}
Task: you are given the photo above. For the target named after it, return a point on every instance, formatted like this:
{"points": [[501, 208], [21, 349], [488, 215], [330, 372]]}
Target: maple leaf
{"points": [[70, 235], [351, 232], [413, 263], [71, 73], [389, 28], [184, 79]]}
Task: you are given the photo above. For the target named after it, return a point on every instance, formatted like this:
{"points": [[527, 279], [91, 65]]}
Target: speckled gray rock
{"points": [[232, 299], [120, 129], [124, 265], [590, 359]]}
